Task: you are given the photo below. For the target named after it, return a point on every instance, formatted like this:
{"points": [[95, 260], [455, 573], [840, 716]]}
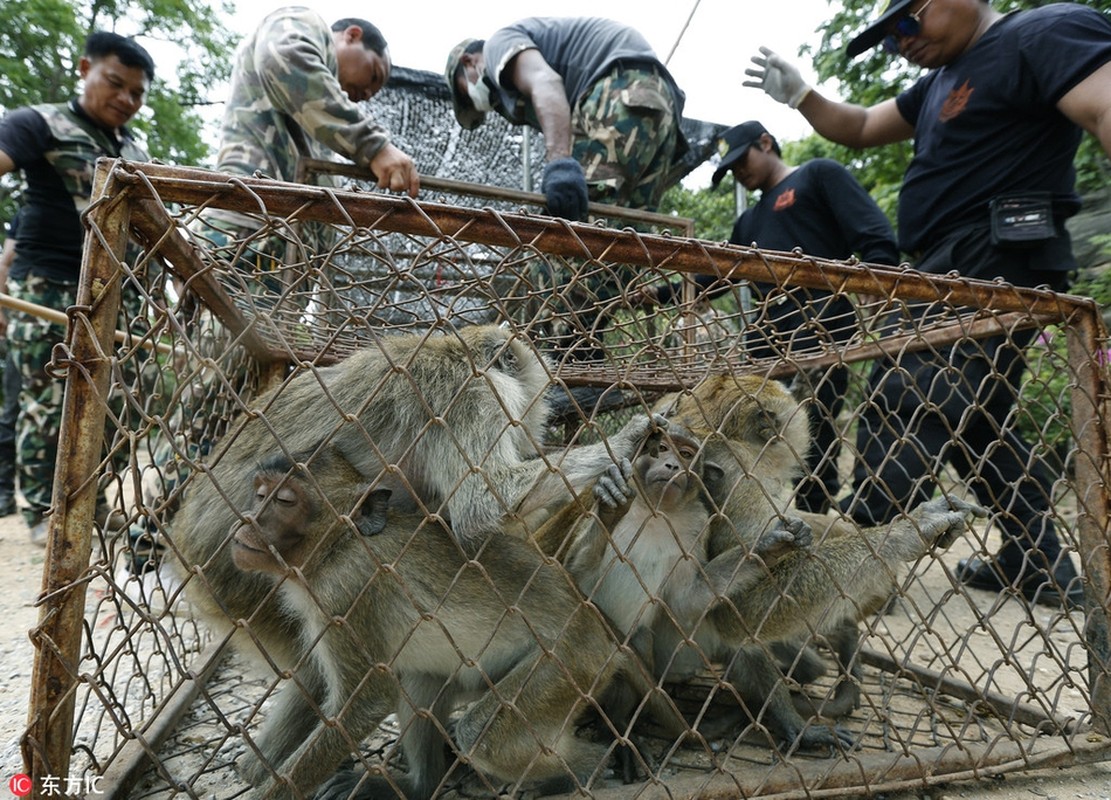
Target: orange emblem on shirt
{"points": [[956, 102], [785, 200]]}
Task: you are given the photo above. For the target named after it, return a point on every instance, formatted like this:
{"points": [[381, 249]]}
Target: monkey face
{"points": [[665, 470], [271, 540]]}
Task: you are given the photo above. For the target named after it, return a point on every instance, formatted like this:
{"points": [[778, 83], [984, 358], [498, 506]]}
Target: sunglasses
{"points": [[909, 25]]}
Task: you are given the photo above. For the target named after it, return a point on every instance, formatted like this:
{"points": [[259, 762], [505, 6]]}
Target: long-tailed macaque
{"points": [[758, 435], [393, 616], [453, 422], [638, 559]]}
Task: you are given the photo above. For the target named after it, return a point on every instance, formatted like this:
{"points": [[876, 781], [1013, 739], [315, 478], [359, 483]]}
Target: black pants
{"points": [[953, 406], [792, 324]]}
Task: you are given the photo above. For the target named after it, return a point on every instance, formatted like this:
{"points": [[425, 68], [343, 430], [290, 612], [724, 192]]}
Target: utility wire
{"points": [[686, 25]]}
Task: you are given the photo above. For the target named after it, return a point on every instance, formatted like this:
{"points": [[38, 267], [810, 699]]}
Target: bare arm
{"points": [[844, 123], [1088, 104], [544, 88], [853, 125], [6, 163]]}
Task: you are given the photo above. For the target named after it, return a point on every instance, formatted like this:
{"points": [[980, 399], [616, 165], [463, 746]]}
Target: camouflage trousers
{"points": [[31, 340], [625, 134]]}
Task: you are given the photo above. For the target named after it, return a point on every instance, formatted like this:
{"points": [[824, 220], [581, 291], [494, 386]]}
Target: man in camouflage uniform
{"points": [[608, 109], [296, 86], [56, 146], [610, 114]]}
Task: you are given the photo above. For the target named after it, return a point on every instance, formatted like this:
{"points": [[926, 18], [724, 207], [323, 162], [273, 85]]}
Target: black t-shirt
{"points": [[581, 50], [51, 235], [987, 124], [822, 209]]}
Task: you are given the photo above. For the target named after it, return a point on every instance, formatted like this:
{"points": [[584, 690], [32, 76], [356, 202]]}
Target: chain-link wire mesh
{"points": [[286, 386]]}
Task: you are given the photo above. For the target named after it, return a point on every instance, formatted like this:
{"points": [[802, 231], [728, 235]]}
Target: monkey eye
{"points": [[687, 454]]}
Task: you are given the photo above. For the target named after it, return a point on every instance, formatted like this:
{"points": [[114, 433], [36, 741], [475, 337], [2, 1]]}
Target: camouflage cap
{"points": [[465, 112]]}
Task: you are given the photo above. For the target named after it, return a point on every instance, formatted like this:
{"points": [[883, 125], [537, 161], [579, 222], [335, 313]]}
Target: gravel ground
{"points": [[17, 595]]}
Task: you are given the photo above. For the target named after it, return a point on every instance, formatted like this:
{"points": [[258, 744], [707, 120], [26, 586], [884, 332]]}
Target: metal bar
{"points": [[127, 766], [684, 225], [1087, 348], [578, 240], [158, 231], [48, 742]]}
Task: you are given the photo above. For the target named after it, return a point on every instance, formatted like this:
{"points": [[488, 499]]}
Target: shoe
{"points": [[1063, 590], [38, 533]]}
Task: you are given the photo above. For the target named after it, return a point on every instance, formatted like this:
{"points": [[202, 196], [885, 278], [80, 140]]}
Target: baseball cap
{"points": [[465, 113], [733, 144], [874, 33]]}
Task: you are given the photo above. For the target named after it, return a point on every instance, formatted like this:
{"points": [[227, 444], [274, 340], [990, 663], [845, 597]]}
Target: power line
{"points": [[686, 25]]}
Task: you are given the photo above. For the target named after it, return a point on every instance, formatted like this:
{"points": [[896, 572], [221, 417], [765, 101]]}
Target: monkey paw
{"points": [[788, 533], [627, 440], [941, 520], [615, 487]]}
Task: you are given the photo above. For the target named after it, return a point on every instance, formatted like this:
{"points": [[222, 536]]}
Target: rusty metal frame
{"points": [[130, 197]]}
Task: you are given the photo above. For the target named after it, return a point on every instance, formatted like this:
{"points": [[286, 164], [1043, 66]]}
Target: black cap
{"points": [[875, 33], [734, 143]]}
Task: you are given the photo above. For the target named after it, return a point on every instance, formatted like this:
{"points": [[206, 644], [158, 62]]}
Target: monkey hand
{"points": [[941, 520], [787, 534], [615, 487], [626, 442]]}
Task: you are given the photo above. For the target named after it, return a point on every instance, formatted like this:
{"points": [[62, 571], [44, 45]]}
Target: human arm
{"points": [[845, 123], [866, 229], [291, 59], [1088, 104], [563, 183], [6, 163]]}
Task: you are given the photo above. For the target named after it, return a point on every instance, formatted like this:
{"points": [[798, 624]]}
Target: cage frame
{"points": [[128, 201]]}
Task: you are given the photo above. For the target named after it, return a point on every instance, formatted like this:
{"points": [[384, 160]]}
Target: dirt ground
{"points": [[17, 595]]}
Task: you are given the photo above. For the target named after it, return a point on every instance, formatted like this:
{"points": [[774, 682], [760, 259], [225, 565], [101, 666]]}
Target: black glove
{"points": [[564, 187]]}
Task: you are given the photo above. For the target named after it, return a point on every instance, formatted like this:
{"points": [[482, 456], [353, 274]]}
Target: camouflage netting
{"points": [[131, 684], [416, 108]]}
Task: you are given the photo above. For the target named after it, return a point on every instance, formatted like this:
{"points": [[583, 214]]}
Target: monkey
{"points": [[393, 616], [452, 423], [758, 435], [642, 548]]}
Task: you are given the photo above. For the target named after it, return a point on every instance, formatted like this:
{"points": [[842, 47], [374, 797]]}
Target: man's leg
{"points": [[8, 416], [32, 343]]}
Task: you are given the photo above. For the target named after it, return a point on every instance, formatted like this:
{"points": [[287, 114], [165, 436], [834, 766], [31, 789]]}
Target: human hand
{"points": [[395, 171], [780, 80], [564, 187]]}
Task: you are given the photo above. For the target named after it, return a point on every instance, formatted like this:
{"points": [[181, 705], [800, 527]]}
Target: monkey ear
{"points": [[713, 477], [373, 512]]}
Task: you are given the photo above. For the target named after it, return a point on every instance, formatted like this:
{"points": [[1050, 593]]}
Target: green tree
{"points": [[41, 41], [712, 210]]}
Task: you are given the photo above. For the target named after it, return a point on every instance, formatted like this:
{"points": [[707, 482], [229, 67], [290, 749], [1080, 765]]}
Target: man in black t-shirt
{"points": [[996, 120], [819, 208], [56, 146]]}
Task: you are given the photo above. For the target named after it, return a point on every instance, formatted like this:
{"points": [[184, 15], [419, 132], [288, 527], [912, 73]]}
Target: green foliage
{"points": [[713, 210], [41, 42]]}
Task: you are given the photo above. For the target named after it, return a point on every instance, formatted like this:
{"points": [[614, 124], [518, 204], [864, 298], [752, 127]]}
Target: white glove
{"points": [[780, 80]]}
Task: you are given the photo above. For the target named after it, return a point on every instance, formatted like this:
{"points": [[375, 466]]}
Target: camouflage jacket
{"points": [[286, 101], [51, 234], [77, 146]]}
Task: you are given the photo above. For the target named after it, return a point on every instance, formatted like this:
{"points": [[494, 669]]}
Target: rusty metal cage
{"points": [[169, 348]]}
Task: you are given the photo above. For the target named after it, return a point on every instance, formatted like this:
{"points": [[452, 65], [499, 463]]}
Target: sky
{"points": [[708, 63]]}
